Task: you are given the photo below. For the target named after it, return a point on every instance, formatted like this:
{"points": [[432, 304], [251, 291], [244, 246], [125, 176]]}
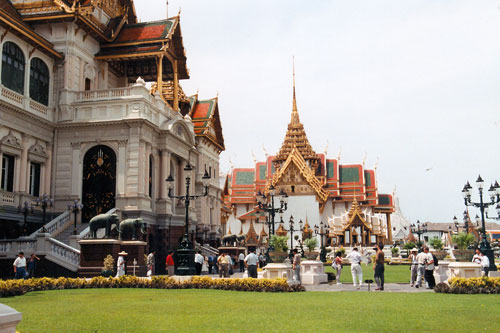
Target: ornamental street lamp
{"points": [[466, 221], [185, 251], [455, 223], [419, 229], [76, 207], [44, 201], [267, 204], [322, 230], [494, 192], [291, 230], [26, 209]]}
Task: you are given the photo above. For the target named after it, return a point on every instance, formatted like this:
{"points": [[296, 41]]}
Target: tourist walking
{"points": [[20, 267], [378, 267], [337, 266], [485, 264], [296, 265], [169, 263], [151, 263], [429, 269], [356, 271], [120, 264], [414, 266], [198, 261], [421, 258], [223, 262], [32, 262], [211, 261], [241, 262], [250, 263]]}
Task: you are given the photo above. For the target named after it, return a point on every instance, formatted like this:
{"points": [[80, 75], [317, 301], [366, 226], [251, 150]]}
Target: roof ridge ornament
{"points": [[295, 113]]}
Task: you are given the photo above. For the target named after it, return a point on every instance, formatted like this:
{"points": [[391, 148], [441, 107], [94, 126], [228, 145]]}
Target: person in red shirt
{"points": [[169, 263]]}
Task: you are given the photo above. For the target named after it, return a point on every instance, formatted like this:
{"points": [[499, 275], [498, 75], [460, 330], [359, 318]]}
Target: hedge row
{"points": [[476, 285], [20, 287]]}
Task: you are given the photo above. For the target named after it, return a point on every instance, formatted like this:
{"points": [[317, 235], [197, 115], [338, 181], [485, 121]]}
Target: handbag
{"points": [[334, 265]]}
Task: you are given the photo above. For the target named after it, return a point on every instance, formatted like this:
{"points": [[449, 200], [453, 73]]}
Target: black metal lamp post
{"points": [[419, 229], [494, 192], [322, 231], [466, 222], [291, 230], [25, 209], [44, 202], [76, 207], [185, 251], [455, 223]]}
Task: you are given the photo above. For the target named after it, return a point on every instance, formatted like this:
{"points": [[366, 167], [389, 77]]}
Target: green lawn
{"points": [[393, 273], [149, 310]]}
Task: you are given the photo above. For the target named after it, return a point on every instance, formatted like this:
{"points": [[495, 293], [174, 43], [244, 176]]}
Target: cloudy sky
{"points": [[414, 84]]}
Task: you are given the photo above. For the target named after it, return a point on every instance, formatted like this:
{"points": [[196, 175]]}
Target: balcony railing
{"points": [[96, 95]]}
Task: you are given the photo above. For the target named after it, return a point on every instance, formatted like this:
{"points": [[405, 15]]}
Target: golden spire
{"points": [[295, 113]]}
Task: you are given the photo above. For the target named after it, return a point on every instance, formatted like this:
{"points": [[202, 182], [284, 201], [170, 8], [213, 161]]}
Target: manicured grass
{"points": [[393, 273], [149, 310]]}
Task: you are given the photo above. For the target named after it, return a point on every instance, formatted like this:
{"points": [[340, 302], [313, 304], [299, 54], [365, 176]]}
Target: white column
{"points": [[75, 170], [141, 176], [164, 165], [121, 168], [146, 169], [48, 170], [24, 174]]}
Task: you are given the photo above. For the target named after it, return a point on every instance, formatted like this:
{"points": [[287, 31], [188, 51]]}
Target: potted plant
{"points": [[109, 263], [311, 244], [438, 246], [279, 244], [463, 241], [395, 252]]}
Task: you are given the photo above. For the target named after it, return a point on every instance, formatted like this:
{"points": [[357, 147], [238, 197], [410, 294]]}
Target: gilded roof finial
{"points": [[295, 112]]}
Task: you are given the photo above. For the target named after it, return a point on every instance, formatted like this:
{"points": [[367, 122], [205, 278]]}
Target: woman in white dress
{"points": [[120, 264]]}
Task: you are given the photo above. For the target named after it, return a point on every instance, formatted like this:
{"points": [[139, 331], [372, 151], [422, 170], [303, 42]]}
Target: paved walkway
{"points": [[388, 287]]}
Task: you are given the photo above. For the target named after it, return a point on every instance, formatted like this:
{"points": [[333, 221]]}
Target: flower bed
{"points": [[20, 287], [476, 285]]}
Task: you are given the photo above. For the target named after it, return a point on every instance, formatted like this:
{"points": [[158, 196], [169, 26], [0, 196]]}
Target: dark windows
{"points": [[8, 173], [39, 81], [35, 179], [87, 84], [13, 67]]}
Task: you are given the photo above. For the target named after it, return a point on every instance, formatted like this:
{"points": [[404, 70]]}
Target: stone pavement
{"points": [[388, 287]]}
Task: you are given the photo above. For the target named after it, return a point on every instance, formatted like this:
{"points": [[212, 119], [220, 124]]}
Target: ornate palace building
{"points": [[319, 189], [91, 109]]}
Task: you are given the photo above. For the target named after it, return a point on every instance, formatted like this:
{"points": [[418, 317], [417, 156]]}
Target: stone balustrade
{"points": [[55, 225], [63, 254], [26, 103]]}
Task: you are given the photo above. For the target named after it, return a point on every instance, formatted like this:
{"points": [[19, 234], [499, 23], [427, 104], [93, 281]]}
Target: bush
{"points": [[409, 246], [476, 285], [395, 250], [20, 287], [311, 243], [279, 243], [463, 240], [437, 243]]}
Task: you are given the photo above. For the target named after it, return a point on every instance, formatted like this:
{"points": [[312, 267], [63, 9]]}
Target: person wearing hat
{"points": [[120, 264], [414, 266], [378, 267]]}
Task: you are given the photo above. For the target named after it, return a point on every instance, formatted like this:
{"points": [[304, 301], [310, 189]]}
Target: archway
{"points": [[99, 181]]}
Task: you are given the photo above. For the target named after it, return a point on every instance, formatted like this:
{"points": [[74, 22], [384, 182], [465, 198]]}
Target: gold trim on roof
{"points": [[281, 231], [354, 212], [251, 237], [305, 171]]}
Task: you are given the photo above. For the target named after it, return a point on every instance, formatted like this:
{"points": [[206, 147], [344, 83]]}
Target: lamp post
{"points": [[267, 204], [185, 251], [76, 207], [494, 192], [322, 231], [455, 223], [44, 201], [466, 222], [419, 229], [291, 230], [25, 209]]}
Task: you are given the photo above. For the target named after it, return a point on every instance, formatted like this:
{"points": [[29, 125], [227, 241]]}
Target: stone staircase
{"points": [[64, 235]]}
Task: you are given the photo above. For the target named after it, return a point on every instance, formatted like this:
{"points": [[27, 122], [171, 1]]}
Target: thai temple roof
{"points": [[206, 120]]}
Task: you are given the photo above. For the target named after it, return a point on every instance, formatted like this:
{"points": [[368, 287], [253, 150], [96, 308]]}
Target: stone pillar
{"points": [[140, 161], [389, 228], [23, 170], [165, 166], [48, 169], [146, 170], [121, 168], [75, 170]]}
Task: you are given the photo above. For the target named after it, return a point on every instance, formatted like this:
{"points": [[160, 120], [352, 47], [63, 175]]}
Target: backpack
{"points": [[436, 261]]}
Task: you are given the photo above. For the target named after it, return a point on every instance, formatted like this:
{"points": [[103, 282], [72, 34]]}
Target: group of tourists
{"points": [[357, 273], [422, 268], [24, 269], [482, 259]]}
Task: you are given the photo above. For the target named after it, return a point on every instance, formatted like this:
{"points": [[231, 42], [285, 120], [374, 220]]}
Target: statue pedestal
{"points": [[312, 272], [274, 271], [442, 272], [9, 318], [464, 269], [93, 252]]}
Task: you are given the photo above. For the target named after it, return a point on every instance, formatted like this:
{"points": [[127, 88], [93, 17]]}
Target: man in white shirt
{"points": [[251, 261], [429, 269], [198, 261], [421, 257], [20, 266], [477, 257], [485, 264], [241, 262], [356, 271]]}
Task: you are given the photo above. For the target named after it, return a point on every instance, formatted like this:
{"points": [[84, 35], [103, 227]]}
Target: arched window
{"points": [[13, 67], [39, 81]]}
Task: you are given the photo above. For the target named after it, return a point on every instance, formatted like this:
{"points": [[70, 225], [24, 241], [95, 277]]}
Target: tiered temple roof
{"points": [[206, 120]]}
